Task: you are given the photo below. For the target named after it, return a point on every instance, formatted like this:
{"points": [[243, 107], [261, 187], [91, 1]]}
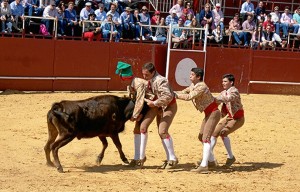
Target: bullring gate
{"points": [[186, 54]]}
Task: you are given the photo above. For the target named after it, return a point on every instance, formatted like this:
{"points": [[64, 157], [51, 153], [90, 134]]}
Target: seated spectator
{"points": [[136, 22], [218, 16], [275, 18], [115, 17], [109, 29], [188, 21], [268, 38], [84, 13], [161, 32], [50, 12], [178, 34], [205, 17], [145, 20], [217, 34], [155, 20], [172, 18], [234, 27], [189, 9], [6, 18], [17, 11], [91, 29], [192, 33], [260, 12], [32, 7], [256, 38], [177, 9], [296, 18], [100, 13], [247, 9], [287, 22], [270, 23], [248, 28], [127, 23], [72, 25], [61, 18]]}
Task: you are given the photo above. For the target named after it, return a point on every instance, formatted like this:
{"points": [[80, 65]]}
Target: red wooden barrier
{"points": [[50, 59]]}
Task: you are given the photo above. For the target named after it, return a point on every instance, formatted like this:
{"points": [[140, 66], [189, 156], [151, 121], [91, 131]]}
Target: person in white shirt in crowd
{"points": [[100, 13], [178, 8], [287, 22], [84, 13], [247, 9], [218, 16], [275, 18], [268, 38], [50, 12]]}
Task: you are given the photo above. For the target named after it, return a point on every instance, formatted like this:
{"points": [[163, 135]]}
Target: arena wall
{"points": [[57, 65]]}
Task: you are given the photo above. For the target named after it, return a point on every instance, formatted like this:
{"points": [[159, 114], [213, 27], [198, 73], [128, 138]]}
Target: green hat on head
{"points": [[124, 70]]}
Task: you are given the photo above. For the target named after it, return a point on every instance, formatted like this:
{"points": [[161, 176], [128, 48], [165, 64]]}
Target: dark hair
{"points": [[198, 72], [149, 66], [230, 77]]}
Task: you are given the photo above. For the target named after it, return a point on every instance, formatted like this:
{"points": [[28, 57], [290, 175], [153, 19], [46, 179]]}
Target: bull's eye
{"points": [[114, 116]]}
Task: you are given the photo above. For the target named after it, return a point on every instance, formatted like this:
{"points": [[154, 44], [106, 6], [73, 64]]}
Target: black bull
{"points": [[102, 116]]}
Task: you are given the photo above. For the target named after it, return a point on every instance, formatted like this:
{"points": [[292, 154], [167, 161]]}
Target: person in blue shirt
{"points": [[172, 18], [127, 23], [247, 9], [109, 29], [145, 20], [100, 13], [17, 11], [71, 17]]}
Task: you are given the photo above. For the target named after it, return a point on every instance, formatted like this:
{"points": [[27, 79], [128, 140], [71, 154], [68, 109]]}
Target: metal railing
{"points": [[54, 32], [162, 5]]}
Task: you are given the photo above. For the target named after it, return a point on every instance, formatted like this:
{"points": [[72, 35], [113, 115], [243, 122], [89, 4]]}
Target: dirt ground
{"points": [[268, 158]]}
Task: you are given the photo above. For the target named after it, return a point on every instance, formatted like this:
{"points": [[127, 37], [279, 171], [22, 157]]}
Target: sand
{"points": [[268, 158]]}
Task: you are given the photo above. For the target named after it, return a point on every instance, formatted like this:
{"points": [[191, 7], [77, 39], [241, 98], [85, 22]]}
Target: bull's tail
{"points": [[57, 111]]}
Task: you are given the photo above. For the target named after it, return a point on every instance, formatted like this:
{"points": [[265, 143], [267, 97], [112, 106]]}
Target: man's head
{"points": [[276, 8], [88, 6], [218, 6], [148, 71]]}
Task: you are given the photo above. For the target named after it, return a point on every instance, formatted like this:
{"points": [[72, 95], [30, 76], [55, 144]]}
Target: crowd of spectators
{"points": [[123, 19]]}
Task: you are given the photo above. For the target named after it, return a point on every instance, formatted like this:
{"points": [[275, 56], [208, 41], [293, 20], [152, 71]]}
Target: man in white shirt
{"points": [[287, 22], [275, 18], [51, 13]]}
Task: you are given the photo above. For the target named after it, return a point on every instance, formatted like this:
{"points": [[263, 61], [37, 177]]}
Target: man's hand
{"points": [[149, 103]]}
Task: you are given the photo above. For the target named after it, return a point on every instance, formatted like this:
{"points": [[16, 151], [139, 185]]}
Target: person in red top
{"points": [[232, 110], [155, 18]]}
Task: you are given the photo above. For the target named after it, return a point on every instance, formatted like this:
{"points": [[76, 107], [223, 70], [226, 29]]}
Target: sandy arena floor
{"points": [[268, 158]]}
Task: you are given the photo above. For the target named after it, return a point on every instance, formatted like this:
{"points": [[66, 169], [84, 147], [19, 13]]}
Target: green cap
{"points": [[124, 70]]}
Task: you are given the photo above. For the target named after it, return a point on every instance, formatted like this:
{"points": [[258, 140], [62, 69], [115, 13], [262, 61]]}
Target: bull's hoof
{"points": [[125, 161], [99, 160], [50, 164], [60, 169]]}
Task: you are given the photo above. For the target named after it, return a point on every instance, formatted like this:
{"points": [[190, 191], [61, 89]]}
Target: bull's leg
{"points": [[52, 134], [60, 142], [101, 155], [118, 144]]}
